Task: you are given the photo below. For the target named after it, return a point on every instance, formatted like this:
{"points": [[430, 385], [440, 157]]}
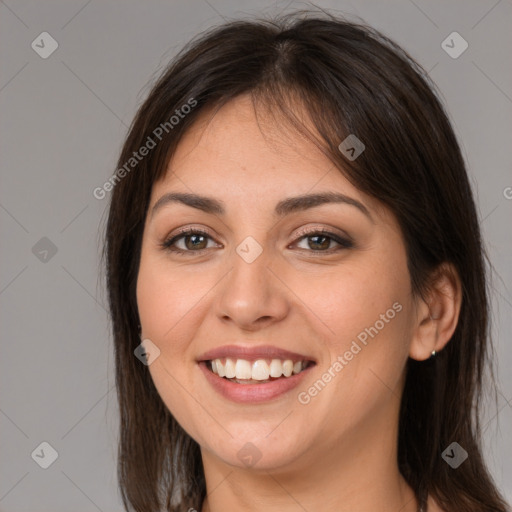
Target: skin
{"points": [[341, 446]]}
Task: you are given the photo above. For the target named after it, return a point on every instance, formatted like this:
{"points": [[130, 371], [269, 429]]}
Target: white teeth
{"points": [[287, 368], [260, 369], [276, 368], [243, 369], [220, 368], [229, 368]]}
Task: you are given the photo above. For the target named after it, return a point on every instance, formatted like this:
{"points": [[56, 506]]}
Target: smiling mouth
{"points": [[260, 371]]}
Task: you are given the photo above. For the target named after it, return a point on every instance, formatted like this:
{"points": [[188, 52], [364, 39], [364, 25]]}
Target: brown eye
{"points": [[195, 241], [191, 241], [320, 241]]}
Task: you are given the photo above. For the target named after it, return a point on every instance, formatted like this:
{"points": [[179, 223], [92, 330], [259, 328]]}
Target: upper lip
{"points": [[252, 353]]}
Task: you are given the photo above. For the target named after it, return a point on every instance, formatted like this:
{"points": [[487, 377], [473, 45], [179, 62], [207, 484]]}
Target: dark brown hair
{"points": [[349, 79]]}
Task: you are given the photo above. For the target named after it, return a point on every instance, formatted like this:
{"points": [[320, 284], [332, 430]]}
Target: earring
{"points": [[433, 354]]}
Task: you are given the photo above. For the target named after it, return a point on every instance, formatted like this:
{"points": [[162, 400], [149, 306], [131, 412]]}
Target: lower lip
{"points": [[252, 393]]}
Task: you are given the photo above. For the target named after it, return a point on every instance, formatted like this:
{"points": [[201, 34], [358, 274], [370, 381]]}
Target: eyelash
{"points": [[344, 243]]}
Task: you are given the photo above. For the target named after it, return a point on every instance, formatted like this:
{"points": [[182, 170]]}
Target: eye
{"points": [[320, 241], [194, 240]]}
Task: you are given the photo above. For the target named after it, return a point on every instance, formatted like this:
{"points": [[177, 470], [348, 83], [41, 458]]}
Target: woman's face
{"points": [[262, 288]]}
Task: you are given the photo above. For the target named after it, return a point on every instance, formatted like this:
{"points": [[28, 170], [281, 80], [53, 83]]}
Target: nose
{"points": [[252, 296]]}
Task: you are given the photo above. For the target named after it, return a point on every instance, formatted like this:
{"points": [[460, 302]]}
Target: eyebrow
{"points": [[284, 207]]}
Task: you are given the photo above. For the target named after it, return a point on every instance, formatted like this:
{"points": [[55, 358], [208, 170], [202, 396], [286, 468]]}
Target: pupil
{"points": [[323, 245], [195, 245]]}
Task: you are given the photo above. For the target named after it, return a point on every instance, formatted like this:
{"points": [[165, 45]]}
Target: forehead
{"points": [[239, 153]]}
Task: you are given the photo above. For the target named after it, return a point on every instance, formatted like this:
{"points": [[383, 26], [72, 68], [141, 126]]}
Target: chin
{"points": [[257, 453]]}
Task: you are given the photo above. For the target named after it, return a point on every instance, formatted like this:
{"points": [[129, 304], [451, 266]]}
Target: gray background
{"points": [[63, 120]]}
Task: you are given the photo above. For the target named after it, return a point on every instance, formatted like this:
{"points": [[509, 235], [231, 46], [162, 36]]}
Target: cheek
{"points": [[352, 301], [167, 314], [165, 301], [163, 313], [366, 307], [367, 313]]}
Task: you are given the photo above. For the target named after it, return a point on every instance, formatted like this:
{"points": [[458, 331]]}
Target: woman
{"points": [[293, 255]]}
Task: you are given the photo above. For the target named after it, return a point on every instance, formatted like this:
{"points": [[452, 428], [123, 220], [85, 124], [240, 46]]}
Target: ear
{"points": [[437, 313]]}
